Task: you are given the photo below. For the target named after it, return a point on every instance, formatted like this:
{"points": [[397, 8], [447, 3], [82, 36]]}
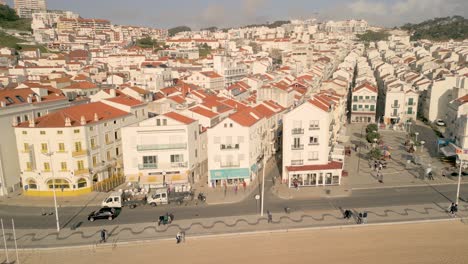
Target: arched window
{"points": [[59, 184], [82, 183], [31, 184]]}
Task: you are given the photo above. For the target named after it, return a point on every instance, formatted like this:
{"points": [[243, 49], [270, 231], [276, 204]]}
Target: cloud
{"points": [[364, 7]]}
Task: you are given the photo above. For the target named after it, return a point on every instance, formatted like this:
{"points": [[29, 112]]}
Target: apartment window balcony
{"points": [[147, 166], [229, 147], [62, 151], [410, 103], [297, 162], [79, 153], [365, 101], [94, 147], [81, 172], [28, 150], [314, 143], [297, 147], [314, 128], [230, 165], [162, 146], [297, 131], [395, 105], [179, 164], [394, 114]]}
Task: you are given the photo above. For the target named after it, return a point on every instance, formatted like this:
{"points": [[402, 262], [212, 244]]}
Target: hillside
{"points": [[9, 20], [439, 29]]}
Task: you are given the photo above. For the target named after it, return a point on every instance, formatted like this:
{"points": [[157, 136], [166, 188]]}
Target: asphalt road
{"points": [[31, 217]]}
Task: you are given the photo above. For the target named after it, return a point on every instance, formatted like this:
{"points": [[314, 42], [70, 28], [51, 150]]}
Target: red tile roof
{"points": [[204, 112], [125, 100], [179, 117], [367, 86], [88, 111], [246, 117], [82, 85], [330, 166], [177, 98], [20, 96], [265, 111], [211, 74]]}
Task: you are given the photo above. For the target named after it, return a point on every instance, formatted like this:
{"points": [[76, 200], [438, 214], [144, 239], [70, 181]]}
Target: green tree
{"points": [[371, 127], [175, 30], [371, 136], [374, 153], [373, 36], [8, 14]]}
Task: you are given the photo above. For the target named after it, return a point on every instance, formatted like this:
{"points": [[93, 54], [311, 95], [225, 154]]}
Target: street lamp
{"points": [[463, 164], [416, 134], [422, 145], [263, 182], [49, 154]]}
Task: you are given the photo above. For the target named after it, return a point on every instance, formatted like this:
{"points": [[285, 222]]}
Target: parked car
{"points": [[440, 122], [103, 213]]}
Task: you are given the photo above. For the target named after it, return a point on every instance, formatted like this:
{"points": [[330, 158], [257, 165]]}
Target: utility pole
{"points": [[263, 183], [49, 154], [4, 242], [16, 244]]}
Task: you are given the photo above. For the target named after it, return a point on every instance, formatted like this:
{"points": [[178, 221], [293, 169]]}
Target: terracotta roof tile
{"points": [[204, 112], [125, 100], [180, 118]]}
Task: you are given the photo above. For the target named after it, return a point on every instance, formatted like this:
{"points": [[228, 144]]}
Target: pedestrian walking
{"points": [[380, 166], [182, 235], [359, 220], [244, 184], [178, 237], [364, 217], [452, 209], [270, 217], [235, 189], [103, 236]]}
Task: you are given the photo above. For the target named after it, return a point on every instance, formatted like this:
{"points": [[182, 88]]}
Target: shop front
{"points": [[315, 175], [229, 177]]}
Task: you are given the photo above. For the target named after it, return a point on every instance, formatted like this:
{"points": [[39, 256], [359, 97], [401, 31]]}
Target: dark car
{"points": [[103, 213]]}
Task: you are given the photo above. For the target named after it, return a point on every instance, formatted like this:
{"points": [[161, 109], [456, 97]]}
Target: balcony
{"points": [[410, 103], [314, 128], [297, 147], [229, 147], [297, 162], [395, 106], [79, 153], [147, 166], [162, 146], [94, 147], [108, 142], [230, 164], [314, 143], [81, 172], [297, 131], [394, 114], [27, 150]]}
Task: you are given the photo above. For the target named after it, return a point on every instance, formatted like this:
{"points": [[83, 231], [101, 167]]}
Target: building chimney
{"points": [[32, 122], [15, 122], [67, 122], [213, 109], [113, 93], [2, 103], [83, 120], [30, 98], [96, 117]]}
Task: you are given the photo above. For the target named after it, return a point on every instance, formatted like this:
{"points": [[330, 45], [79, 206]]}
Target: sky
{"points": [[230, 13]]}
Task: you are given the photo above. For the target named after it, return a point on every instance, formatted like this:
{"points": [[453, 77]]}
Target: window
{"points": [[177, 158], [91, 128], [108, 155], [115, 122], [354, 107], [80, 165], [116, 135], [195, 134], [105, 124], [63, 166], [26, 147], [410, 110], [313, 155], [38, 114], [117, 152], [93, 143], [18, 119], [58, 183], [29, 166], [60, 132], [313, 141], [314, 124], [164, 122], [410, 101], [78, 146], [225, 125], [136, 114], [42, 132], [24, 132], [94, 161], [44, 147], [355, 98], [150, 159], [61, 146], [367, 97], [9, 100], [196, 153], [107, 138], [373, 97], [230, 124], [82, 183], [46, 166], [366, 106], [158, 122], [76, 131], [372, 107]]}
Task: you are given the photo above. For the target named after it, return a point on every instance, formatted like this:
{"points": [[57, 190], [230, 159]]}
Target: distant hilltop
{"points": [[439, 29]]}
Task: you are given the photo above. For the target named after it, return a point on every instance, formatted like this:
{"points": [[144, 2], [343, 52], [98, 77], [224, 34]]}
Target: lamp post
{"points": [[422, 145], [49, 154], [463, 164], [263, 183], [416, 134]]}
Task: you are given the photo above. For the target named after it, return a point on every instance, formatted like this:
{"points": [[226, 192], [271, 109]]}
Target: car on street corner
{"points": [[440, 122], [103, 213]]}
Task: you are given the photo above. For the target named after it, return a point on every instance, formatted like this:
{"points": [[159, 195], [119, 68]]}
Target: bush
{"points": [[371, 128], [375, 153], [371, 136]]}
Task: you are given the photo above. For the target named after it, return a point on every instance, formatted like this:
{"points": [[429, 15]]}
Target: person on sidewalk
{"points": [[178, 237], [244, 184], [103, 236], [270, 217], [453, 208], [235, 189]]}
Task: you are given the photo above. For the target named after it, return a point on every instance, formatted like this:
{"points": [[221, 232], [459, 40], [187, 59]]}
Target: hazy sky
{"points": [[224, 13]]}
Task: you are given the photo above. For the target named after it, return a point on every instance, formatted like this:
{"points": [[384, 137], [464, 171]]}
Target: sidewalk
{"points": [[18, 199], [89, 236]]}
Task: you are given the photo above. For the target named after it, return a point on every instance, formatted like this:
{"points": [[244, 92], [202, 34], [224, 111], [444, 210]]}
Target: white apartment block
{"points": [[231, 70], [363, 105], [16, 106], [207, 80], [164, 151], [72, 148], [307, 142], [25, 8], [401, 104], [236, 147], [457, 122]]}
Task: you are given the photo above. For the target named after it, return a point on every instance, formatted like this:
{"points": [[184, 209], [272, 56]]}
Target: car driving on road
{"points": [[103, 213]]}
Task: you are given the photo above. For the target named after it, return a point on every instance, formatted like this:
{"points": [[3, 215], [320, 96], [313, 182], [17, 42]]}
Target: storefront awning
{"points": [[238, 173], [448, 150]]}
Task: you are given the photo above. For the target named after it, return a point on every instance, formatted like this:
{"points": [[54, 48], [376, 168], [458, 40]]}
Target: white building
{"points": [[72, 148], [401, 104], [165, 150], [363, 105], [307, 142], [16, 106], [207, 80]]}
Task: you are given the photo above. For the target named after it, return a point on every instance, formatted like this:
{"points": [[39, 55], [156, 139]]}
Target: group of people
{"points": [[379, 166], [361, 219]]}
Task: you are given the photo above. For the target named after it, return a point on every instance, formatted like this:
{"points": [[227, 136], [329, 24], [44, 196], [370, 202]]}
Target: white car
{"points": [[440, 122]]}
